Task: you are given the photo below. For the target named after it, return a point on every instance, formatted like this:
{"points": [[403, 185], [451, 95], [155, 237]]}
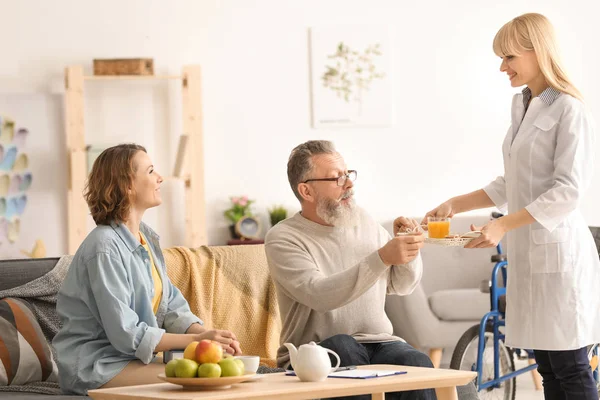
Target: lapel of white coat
{"points": [[517, 111], [523, 129]]}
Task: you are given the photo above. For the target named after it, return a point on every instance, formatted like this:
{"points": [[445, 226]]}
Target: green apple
{"points": [[230, 368], [209, 370], [186, 368], [170, 368], [241, 365]]}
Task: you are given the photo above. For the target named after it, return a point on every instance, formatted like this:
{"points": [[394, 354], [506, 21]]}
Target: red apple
{"points": [[208, 351]]}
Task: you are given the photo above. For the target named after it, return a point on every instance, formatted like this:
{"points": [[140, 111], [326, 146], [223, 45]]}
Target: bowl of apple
{"points": [[204, 366]]}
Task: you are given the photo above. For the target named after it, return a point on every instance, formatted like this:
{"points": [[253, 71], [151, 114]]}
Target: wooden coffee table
{"points": [[278, 386]]}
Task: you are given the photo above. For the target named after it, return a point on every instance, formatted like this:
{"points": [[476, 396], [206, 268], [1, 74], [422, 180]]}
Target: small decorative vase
{"points": [[234, 234]]}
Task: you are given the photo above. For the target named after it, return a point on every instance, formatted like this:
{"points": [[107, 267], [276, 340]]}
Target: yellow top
{"points": [[155, 276]]}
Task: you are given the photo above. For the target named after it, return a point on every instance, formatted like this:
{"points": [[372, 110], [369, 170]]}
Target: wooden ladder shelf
{"points": [[190, 156]]}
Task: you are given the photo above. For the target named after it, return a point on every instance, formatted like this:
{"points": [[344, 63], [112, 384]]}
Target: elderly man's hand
{"points": [[402, 249], [405, 225]]}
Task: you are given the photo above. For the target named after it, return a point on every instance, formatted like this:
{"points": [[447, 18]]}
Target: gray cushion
{"points": [[17, 272], [460, 304]]}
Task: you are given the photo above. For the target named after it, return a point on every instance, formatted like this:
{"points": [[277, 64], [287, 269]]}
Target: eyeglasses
{"points": [[341, 181]]}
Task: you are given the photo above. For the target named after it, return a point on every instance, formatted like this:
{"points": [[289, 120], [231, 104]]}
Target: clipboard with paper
{"points": [[365, 373], [359, 373]]}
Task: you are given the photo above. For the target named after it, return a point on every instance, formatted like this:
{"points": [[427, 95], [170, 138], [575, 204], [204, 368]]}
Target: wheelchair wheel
{"points": [[464, 358]]}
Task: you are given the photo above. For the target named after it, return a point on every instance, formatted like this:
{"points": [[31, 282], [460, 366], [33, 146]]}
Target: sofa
{"points": [[237, 264], [14, 273], [228, 286]]}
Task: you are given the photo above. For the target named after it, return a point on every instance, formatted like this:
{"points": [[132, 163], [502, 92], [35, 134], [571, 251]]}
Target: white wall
{"points": [[45, 211], [452, 103]]}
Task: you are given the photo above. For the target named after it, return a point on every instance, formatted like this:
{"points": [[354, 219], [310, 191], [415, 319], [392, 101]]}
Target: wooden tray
{"points": [[454, 241], [449, 242]]}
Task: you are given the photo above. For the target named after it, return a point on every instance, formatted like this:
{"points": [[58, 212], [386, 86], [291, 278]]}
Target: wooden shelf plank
{"points": [[77, 208], [130, 77], [195, 210]]}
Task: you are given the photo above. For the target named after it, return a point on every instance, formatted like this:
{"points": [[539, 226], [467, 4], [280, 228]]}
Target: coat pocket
{"points": [[545, 123], [550, 252]]}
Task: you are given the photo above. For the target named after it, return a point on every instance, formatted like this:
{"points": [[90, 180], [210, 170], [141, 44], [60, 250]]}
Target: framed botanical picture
{"points": [[351, 76]]}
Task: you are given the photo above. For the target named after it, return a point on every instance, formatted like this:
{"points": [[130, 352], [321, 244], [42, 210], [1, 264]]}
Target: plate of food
{"points": [[454, 240]]}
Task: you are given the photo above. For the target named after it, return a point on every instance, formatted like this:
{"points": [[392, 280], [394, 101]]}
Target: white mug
{"points": [[250, 363]]}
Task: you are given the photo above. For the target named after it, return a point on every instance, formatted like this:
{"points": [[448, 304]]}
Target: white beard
{"points": [[337, 214]]}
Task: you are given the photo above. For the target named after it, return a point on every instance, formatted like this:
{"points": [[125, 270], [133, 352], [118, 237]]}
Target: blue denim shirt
{"points": [[105, 307]]}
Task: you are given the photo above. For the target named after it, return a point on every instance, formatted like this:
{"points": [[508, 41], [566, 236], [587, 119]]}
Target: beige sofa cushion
{"points": [[460, 304]]}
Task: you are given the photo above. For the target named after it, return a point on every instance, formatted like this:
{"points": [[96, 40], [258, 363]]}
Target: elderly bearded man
{"points": [[333, 266]]}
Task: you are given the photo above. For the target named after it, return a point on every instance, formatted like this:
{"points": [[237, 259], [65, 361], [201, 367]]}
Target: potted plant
{"points": [[240, 207], [277, 214]]}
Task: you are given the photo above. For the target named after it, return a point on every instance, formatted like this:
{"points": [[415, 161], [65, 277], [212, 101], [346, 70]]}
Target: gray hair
{"points": [[300, 162]]}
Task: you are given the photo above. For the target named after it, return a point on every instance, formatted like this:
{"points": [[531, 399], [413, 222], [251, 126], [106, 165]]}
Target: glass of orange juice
{"points": [[438, 227]]}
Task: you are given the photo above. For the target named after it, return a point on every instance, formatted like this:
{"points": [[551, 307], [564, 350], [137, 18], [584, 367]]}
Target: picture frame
{"points": [[351, 76]]}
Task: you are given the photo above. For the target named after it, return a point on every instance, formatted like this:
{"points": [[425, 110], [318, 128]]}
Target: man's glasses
{"points": [[341, 181]]}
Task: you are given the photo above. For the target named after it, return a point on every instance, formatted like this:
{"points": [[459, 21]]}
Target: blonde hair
{"points": [[534, 32]]}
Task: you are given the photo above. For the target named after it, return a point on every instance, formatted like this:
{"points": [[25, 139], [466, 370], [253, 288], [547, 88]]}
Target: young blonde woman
{"points": [[553, 300], [117, 306]]}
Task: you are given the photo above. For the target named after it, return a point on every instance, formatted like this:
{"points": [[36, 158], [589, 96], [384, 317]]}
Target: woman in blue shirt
{"points": [[117, 305]]}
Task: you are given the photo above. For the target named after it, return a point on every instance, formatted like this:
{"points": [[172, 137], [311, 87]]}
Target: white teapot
{"points": [[311, 362]]}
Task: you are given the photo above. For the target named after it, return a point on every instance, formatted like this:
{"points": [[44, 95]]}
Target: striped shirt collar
{"points": [[548, 96]]}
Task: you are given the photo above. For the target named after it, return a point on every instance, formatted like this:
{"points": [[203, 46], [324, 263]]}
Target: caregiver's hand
{"points": [[491, 235], [444, 210]]}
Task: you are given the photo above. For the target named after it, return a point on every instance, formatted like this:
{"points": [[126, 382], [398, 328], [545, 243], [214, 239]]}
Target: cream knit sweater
{"points": [[332, 281]]}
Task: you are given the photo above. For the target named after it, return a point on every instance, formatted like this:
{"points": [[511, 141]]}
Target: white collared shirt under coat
{"points": [[553, 291]]}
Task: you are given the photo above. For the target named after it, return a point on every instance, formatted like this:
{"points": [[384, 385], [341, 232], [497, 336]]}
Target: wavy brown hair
{"points": [[106, 190]]}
